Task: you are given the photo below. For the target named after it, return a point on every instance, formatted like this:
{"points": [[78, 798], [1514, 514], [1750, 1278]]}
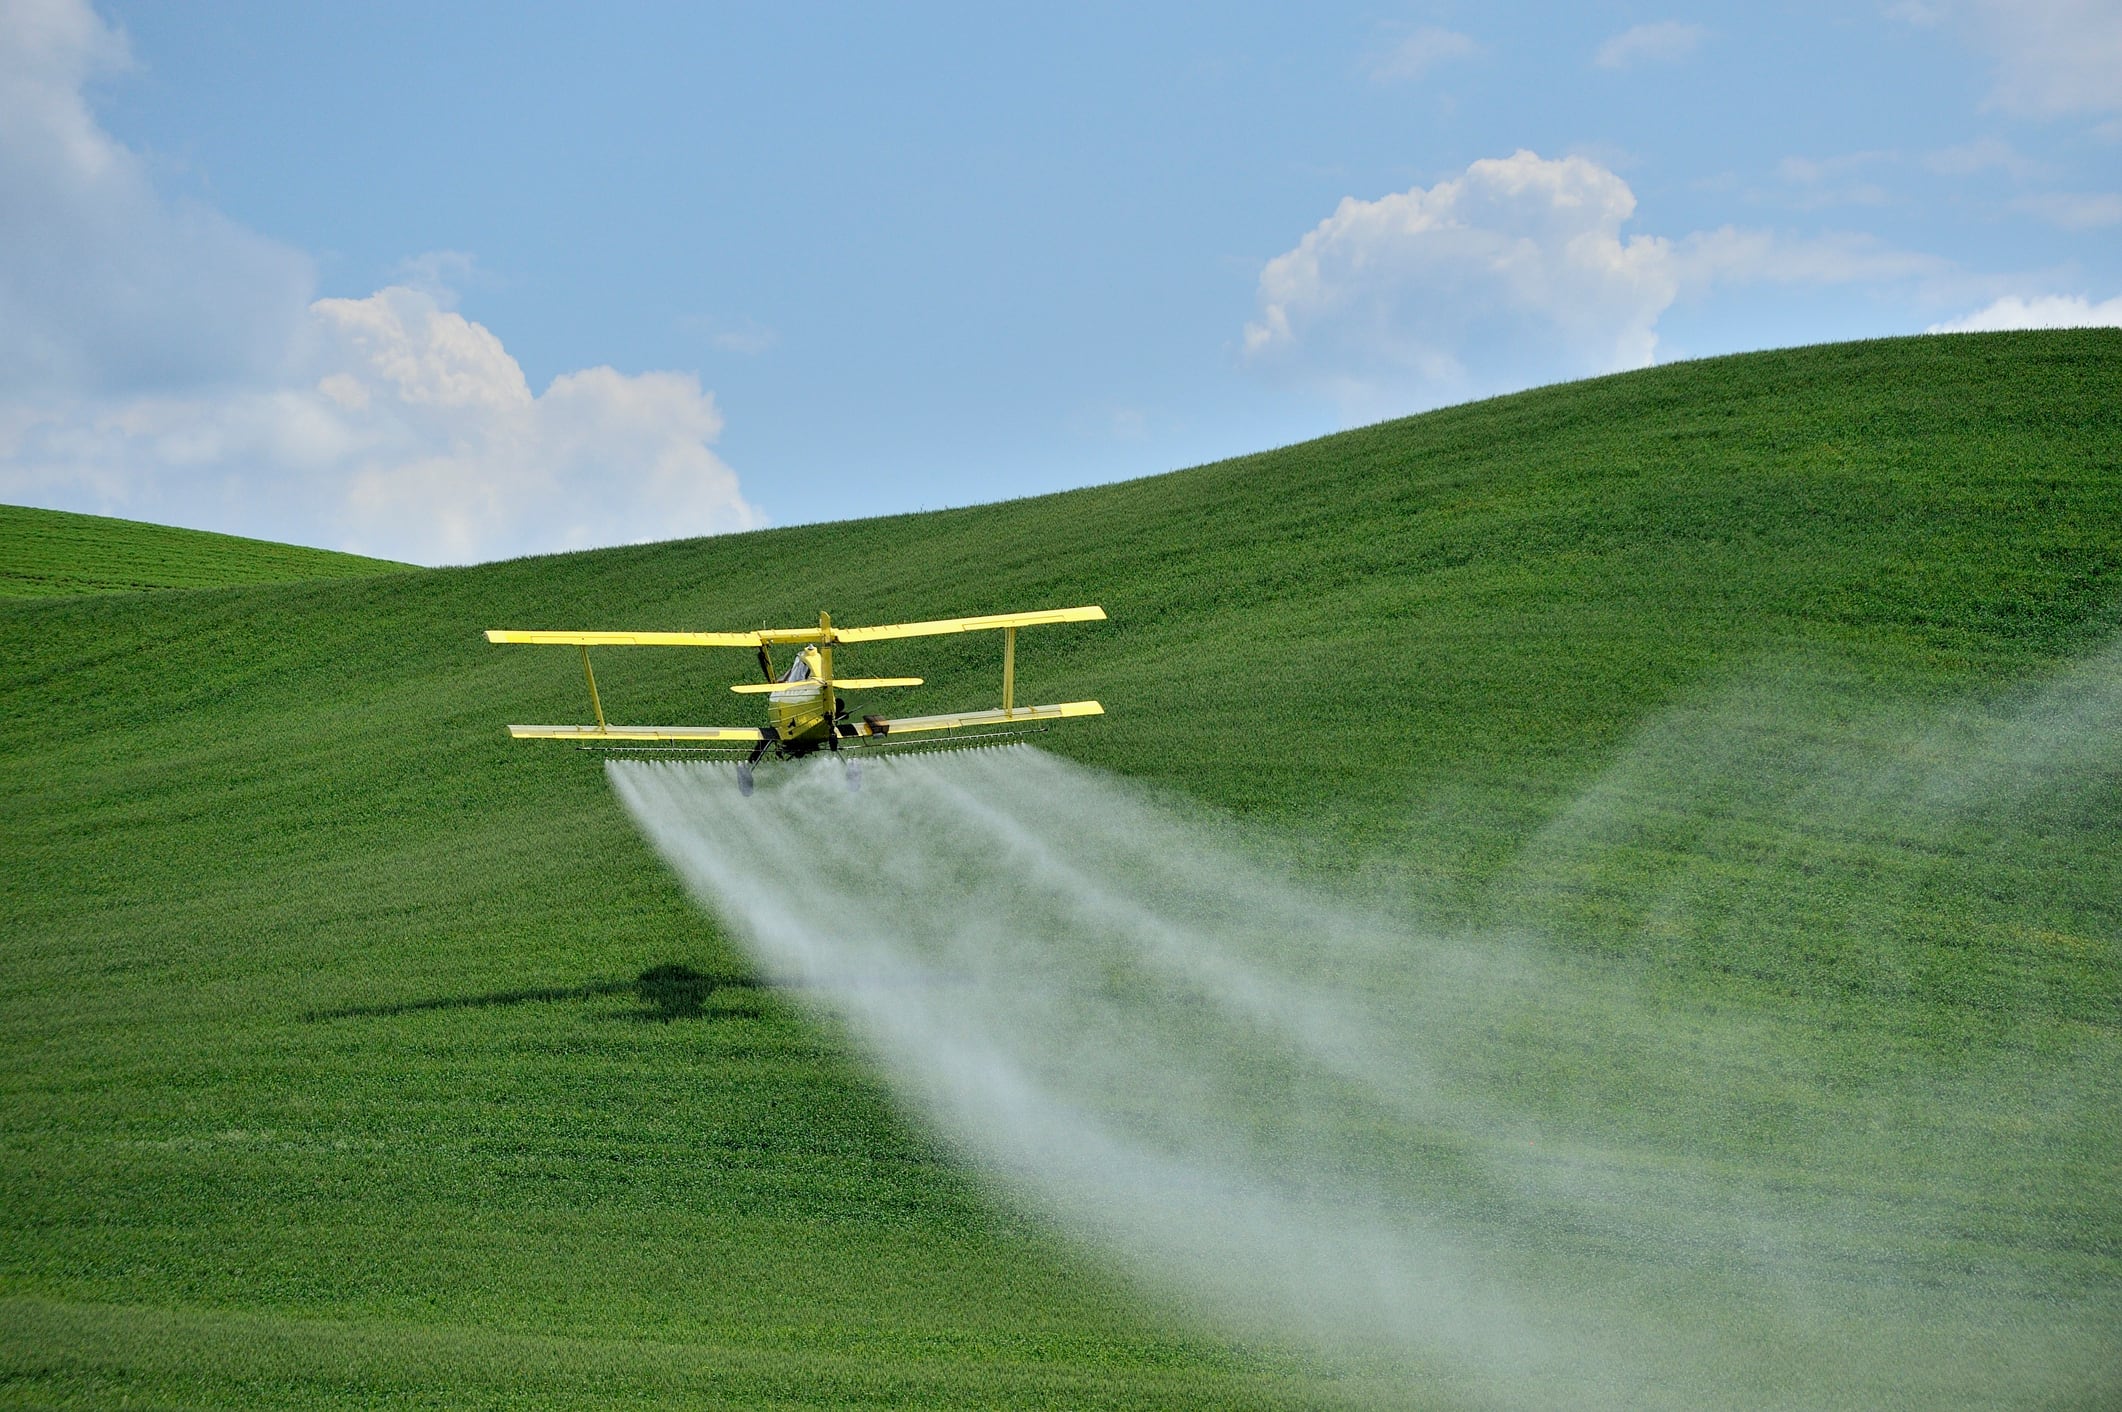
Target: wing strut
{"points": [[825, 682], [1009, 668], [591, 677]]}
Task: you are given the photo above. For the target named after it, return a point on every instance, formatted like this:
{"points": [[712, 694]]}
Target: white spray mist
{"points": [[1511, 1173]]}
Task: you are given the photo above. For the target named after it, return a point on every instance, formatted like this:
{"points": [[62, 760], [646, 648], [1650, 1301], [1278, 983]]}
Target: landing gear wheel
{"points": [[744, 767]]}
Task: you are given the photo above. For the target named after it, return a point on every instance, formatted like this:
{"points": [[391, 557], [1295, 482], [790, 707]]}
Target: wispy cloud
{"points": [[1812, 171], [440, 274], [1412, 55], [2073, 210], [1982, 155], [2053, 58], [1834, 181], [1731, 255], [746, 336], [1662, 42]]}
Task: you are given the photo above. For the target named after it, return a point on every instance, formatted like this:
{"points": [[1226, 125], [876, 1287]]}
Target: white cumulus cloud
{"points": [[410, 433], [1662, 42], [104, 285], [1520, 262], [2015, 311], [1514, 273], [160, 361]]}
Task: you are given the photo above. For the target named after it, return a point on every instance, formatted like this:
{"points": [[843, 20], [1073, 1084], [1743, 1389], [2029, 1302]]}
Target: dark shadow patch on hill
{"points": [[678, 992], [672, 991]]}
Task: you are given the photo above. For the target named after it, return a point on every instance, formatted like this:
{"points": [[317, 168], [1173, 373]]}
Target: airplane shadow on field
{"points": [[672, 991]]}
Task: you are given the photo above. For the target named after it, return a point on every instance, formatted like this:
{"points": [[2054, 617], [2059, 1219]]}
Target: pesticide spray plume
{"points": [[1480, 1165]]}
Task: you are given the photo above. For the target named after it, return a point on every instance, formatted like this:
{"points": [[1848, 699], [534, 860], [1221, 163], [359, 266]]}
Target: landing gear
{"points": [[835, 727], [744, 766]]}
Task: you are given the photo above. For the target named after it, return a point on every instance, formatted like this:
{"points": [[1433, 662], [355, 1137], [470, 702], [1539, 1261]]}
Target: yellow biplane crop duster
{"points": [[805, 711]]}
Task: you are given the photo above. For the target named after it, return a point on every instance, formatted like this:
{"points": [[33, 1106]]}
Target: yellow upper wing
{"points": [[933, 628], [939, 626]]}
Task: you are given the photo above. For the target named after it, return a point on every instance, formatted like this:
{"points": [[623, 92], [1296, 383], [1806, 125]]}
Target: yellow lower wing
{"points": [[627, 639], [907, 725], [637, 733]]}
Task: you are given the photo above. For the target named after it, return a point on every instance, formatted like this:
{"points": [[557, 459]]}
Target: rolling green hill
{"points": [[351, 1054], [45, 553]]}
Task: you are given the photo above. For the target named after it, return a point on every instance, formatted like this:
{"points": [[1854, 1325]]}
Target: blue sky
{"points": [[455, 282]]}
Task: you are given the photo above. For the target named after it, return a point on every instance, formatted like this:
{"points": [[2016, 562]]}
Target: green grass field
{"points": [[352, 1055], [51, 553]]}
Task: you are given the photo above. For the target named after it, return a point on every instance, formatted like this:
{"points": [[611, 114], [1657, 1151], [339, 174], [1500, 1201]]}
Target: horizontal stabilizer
{"points": [[627, 639], [907, 725], [754, 688], [593, 733]]}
